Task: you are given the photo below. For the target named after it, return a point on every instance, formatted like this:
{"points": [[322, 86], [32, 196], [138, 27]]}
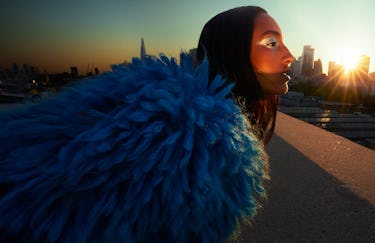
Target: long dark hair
{"points": [[225, 40]]}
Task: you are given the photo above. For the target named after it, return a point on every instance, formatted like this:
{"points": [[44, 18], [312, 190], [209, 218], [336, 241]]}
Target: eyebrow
{"points": [[269, 32]]}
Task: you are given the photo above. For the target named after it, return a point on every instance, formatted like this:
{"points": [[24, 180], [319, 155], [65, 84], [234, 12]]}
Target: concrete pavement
{"points": [[322, 188]]}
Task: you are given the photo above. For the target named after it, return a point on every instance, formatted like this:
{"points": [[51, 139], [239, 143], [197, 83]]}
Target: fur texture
{"points": [[150, 152]]}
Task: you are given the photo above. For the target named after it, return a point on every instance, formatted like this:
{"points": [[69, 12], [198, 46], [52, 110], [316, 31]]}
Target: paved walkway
{"points": [[322, 188]]}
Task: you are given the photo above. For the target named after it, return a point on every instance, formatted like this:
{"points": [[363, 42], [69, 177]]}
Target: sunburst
{"points": [[347, 81], [350, 62]]}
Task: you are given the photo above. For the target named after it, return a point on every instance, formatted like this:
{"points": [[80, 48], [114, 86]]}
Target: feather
{"points": [[151, 151]]}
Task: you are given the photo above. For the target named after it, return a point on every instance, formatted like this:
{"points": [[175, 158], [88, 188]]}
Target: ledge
{"points": [[351, 163], [322, 188]]}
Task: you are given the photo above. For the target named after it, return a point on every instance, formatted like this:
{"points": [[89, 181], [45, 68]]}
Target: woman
{"points": [[150, 152], [245, 46]]}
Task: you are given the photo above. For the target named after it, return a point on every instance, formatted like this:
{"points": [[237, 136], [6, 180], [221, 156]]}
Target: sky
{"points": [[54, 35]]}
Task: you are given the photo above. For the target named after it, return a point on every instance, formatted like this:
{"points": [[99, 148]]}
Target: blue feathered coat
{"points": [[149, 152]]}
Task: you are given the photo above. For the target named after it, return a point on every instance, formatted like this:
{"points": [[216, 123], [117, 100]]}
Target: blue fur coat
{"points": [[149, 152]]}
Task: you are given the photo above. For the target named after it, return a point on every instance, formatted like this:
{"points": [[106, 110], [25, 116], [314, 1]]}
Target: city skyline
{"points": [[57, 35]]}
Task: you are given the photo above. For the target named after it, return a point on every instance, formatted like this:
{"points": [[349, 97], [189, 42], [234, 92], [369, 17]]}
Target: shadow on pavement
{"points": [[306, 204]]}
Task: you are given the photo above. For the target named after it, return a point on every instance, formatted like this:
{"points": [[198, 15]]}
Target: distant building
{"points": [[361, 75], [143, 49], [295, 67], [372, 83], [307, 61], [193, 54], [363, 68], [74, 72], [335, 72], [372, 76], [96, 71], [318, 68], [15, 69]]}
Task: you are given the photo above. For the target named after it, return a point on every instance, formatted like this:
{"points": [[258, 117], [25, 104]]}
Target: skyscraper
{"points": [[362, 76], [318, 67], [307, 62], [363, 68], [143, 49], [335, 72], [295, 67]]}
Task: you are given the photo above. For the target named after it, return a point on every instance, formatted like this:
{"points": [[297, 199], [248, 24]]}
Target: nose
{"points": [[287, 57]]}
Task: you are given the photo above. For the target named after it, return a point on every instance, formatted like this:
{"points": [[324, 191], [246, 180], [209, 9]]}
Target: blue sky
{"points": [[55, 34]]}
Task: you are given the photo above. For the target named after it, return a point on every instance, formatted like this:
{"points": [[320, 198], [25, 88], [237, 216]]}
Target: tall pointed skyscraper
{"points": [[143, 49]]}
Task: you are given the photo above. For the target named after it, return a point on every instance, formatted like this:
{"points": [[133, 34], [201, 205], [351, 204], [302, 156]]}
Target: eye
{"points": [[272, 44], [269, 42]]}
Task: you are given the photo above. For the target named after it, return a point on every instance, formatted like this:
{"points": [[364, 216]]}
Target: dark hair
{"points": [[225, 40]]}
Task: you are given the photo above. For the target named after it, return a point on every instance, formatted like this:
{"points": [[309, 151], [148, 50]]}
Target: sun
{"points": [[349, 59], [350, 62]]}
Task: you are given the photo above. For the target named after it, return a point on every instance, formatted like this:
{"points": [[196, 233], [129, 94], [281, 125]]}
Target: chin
{"points": [[285, 90], [281, 90]]}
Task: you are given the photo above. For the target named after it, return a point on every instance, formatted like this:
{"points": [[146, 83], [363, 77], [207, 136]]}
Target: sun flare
{"points": [[349, 59], [350, 62]]}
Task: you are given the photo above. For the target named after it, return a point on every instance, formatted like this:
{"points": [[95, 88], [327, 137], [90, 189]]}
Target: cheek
{"points": [[263, 61], [255, 58]]}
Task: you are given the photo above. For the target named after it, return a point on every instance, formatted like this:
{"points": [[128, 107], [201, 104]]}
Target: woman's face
{"points": [[269, 56]]}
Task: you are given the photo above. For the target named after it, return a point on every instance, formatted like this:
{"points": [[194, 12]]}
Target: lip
{"points": [[285, 76]]}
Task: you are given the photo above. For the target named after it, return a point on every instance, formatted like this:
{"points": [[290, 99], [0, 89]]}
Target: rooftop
{"points": [[322, 188]]}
